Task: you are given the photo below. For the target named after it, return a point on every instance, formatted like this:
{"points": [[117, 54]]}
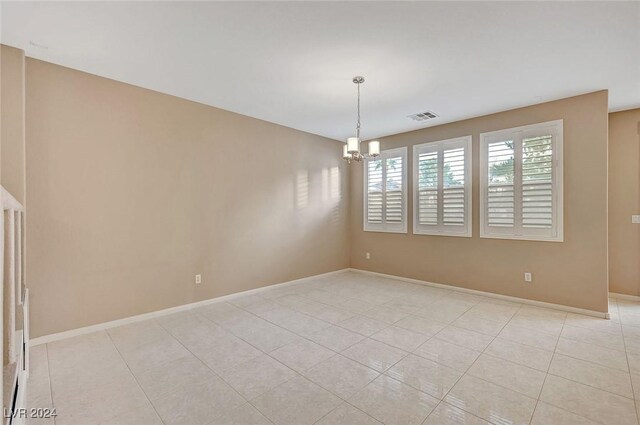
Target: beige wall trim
{"points": [[146, 316], [491, 295], [624, 296]]}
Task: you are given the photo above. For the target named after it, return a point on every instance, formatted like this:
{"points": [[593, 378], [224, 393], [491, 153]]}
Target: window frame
{"points": [[440, 146], [517, 134], [385, 227]]}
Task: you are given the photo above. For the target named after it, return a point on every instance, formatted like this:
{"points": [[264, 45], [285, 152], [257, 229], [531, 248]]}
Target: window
{"points": [[521, 183], [442, 188], [385, 189]]}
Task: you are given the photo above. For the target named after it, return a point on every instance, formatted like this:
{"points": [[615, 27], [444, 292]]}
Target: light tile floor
{"points": [[349, 349]]}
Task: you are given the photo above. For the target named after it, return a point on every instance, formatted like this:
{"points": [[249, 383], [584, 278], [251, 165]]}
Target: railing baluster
{"points": [[19, 286], [10, 287]]}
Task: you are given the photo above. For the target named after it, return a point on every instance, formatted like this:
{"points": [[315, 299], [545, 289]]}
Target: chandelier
{"points": [[351, 150]]}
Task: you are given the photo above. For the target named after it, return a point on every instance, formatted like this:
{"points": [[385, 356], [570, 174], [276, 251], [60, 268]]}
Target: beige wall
{"points": [[572, 273], [248, 203], [12, 164], [624, 200], [132, 192]]}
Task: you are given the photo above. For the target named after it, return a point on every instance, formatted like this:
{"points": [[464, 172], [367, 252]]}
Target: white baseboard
{"points": [[492, 295], [624, 296], [146, 316], [138, 318]]}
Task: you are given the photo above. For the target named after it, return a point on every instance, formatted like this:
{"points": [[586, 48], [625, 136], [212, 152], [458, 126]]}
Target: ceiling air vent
{"points": [[423, 116]]}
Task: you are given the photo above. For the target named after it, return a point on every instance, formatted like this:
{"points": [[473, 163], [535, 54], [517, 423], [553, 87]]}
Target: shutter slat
{"points": [[501, 192], [394, 198], [374, 195], [441, 193], [537, 188], [453, 190], [428, 188]]}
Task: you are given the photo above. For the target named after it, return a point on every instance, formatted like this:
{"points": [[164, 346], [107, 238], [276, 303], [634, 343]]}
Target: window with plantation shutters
{"points": [[385, 192], [521, 183], [442, 188]]}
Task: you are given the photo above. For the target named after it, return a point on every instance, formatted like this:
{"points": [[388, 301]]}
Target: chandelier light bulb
{"points": [[345, 153], [353, 145], [374, 148]]}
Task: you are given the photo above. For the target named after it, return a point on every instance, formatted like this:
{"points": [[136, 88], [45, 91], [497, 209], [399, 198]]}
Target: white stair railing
{"points": [[15, 305]]}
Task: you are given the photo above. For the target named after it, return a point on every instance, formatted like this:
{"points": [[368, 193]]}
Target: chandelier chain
{"points": [[358, 124]]}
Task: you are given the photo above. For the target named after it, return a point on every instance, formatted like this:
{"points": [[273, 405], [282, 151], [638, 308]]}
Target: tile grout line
{"points": [[632, 398], [471, 365], [134, 376], [461, 375], [344, 401], [577, 382], [362, 313], [377, 377], [335, 352], [586, 361], [626, 354], [591, 386], [384, 373], [433, 336], [546, 374], [365, 337], [53, 406], [279, 362], [213, 371], [591, 361], [483, 352], [485, 349], [581, 383]]}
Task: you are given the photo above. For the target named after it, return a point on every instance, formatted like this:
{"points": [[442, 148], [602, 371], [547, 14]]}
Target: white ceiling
{"points": [[292, 63]]}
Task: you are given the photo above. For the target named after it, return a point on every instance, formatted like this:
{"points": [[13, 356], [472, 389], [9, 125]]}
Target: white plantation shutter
{"points": [[521, 187], [394, 196], [501, 191], [537, 182], [374, 191], [385, 199], [442, 187], [453, 187], [427, 202]]}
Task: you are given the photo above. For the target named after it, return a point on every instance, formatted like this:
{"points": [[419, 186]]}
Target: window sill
{"points": [[385, 230], [523, 238], [428, 233]]}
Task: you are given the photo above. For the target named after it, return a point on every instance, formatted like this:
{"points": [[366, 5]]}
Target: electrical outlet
{"points": [[527, 277], [198, 279], [368, 256], [635, 219]]}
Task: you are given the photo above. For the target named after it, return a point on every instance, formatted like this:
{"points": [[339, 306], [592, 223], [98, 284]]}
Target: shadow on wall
{"points": [[331, 179], [330, 190], [302, 189]]}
